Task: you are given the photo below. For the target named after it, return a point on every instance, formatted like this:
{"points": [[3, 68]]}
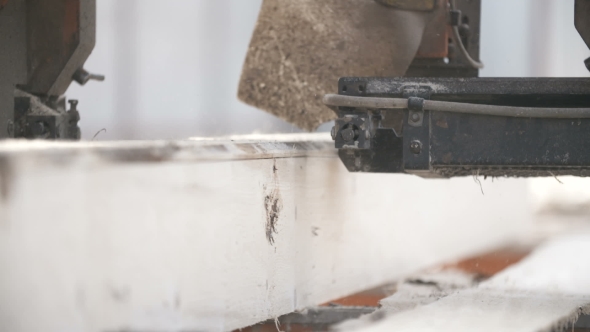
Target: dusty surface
{"points": [[547, 291], [301, 48]]}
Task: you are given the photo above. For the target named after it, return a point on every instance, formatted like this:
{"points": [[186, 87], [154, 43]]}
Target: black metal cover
{"points": [[451, 144]]}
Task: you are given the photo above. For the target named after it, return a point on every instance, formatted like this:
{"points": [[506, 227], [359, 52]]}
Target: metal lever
{"points": [[82, 76]]}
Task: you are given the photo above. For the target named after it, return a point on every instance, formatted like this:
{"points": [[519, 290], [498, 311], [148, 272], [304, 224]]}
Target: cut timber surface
{"points": [[545, 292], [212, 235]]}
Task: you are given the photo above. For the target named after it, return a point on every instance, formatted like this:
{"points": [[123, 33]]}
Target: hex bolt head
{"points": [[333, 133], [347, 134], [415, 117], [416, 147], [38, 129]]}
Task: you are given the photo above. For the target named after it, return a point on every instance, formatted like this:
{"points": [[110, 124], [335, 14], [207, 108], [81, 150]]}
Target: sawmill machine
{"points": [[43, 48], [401, 80]]}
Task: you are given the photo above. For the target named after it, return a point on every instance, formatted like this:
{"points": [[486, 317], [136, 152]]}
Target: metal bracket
{"points": [[352, 132], [36, 118], [416, 108], [352, 88], [416, 146], [42, 126], [416, 149]]}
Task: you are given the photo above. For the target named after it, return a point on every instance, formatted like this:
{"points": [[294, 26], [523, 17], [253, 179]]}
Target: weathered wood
{"points": [[547, 291], [219, 234]]}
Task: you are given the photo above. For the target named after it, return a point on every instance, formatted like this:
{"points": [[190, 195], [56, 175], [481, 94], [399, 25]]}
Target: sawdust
{"points": [[301, 48]]}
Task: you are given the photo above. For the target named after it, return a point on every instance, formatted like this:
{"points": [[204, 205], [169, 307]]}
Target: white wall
{"points": [[531, 38]]}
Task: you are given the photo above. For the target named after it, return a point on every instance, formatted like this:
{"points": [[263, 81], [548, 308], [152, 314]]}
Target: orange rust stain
{"points": [[489, 264], [369, 298], [71, 22], [442, 123], [435, 41]]}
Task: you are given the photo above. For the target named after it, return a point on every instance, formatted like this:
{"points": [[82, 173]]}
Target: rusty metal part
{"points": [[435, 41], [455, 65], [60, 37], [582, 19], [3, 3], [43, 44], [300, 48], [421, 5]]}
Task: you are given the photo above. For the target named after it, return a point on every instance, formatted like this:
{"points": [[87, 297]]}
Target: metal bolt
{"points": [[82, 76], [415, 117], [333, 133], [347, 134], [416, 147], [38, 128]]}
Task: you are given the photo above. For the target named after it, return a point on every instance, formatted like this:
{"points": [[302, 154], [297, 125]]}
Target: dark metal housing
{"points": [[446, 144]]}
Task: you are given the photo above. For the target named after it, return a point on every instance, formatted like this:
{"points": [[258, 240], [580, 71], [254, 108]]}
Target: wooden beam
{"points": [[219, 234]]}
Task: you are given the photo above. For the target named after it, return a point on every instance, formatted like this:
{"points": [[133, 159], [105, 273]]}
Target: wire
{"points": [[459, 42], [510, 111], [365, 102], [453, 107]]}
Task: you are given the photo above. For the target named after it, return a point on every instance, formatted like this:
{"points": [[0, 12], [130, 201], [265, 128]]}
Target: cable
{"points": [[510, 111], [365, 102], [453, 107], [459, 42]]}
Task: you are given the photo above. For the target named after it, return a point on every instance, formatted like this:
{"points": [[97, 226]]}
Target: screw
{"points": [[347, 134], [333, 133], [82, 76], [415, 117], [416, 147]]}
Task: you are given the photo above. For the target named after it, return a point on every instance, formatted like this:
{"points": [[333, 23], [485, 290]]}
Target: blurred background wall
{"points": [[173, 67]]}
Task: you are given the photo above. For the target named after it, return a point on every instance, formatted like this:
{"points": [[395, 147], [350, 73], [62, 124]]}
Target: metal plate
{"points": [[60, 37], [452, 144]]}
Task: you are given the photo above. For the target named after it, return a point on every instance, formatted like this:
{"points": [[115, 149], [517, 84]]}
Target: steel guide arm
{"points": [[413, 139]]}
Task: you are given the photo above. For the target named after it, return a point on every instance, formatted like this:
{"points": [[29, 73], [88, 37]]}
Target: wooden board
{"points": [[547, 291], [219, 234]]}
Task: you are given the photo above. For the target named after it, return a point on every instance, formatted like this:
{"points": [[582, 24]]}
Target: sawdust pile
{"points": [[301, 48]]}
